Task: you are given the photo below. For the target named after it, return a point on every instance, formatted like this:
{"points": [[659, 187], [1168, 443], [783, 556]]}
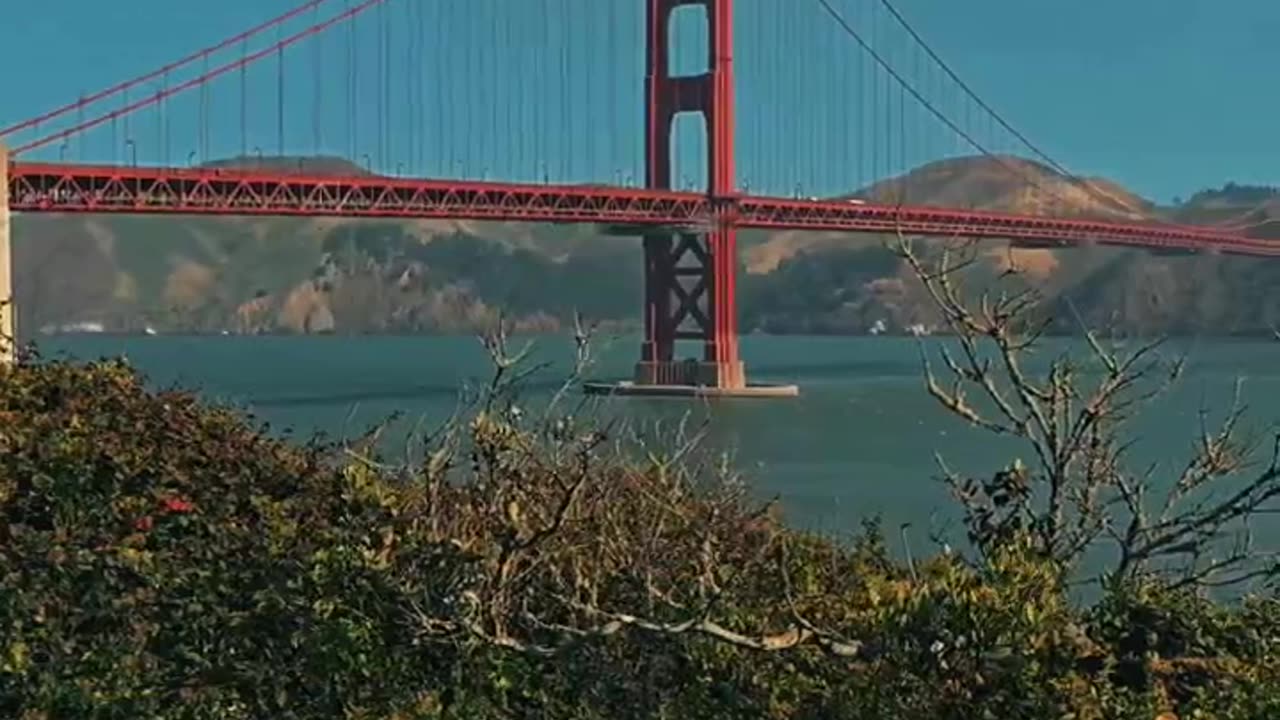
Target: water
{"points": [[860, 440]]}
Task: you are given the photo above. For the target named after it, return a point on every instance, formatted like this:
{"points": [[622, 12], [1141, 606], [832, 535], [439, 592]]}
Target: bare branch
{"points": [[1080, 490]]}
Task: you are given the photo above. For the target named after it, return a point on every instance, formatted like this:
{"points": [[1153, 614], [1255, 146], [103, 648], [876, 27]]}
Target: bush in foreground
{"points": [[162, 558]]}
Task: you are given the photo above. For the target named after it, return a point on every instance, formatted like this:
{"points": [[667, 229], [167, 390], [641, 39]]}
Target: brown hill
{"points": [[1002, 183], [1122, 291]]}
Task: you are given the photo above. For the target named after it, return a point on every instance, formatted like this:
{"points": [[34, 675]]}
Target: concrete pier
{"points": [[8, 313]]}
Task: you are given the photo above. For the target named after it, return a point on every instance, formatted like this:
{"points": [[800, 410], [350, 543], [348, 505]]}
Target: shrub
{"points": [[163, 558], [157, 554]]}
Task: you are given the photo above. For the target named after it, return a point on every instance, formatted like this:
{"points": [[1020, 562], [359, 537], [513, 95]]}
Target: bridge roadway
{"points": [[64, 188]]}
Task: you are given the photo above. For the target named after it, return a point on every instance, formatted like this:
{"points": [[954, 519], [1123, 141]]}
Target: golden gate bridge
{"points": [[566, 111]]}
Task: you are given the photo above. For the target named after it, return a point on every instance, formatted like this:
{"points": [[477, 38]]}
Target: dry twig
{"points": [[1079, 492]]}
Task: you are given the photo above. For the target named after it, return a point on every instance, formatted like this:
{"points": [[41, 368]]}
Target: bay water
{"points": [[862, 439]]}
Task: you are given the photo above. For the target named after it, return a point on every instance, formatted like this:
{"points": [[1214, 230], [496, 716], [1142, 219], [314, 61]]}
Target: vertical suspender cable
{"points": [[753, 168], [613, 80], [421, 72], [202, 125], [514, 99], [438, 93], [768, 180], [808, 71], [884, 106], [80, 121], [483, 98], [566, 136], [468, 84], [590, 126], [540, 94], [128, 134], [159, 107], [496, 96], [887, 106], [862, 114], [280, 101], [449, 57], [797, 110], [206, 151], [379, 149], [875, 111], [820, 122], [349, 107], [411, 97], [783, 133], [244, 104], [388, 139], [318, 77], [164, 114], [389, 163], [413, 79], [470, 100], [903, 162], [374, 34], [831, 183], [929, 152], [425, 70]]}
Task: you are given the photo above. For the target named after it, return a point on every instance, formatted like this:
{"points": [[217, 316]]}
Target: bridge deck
{"points": [[58, 188]]}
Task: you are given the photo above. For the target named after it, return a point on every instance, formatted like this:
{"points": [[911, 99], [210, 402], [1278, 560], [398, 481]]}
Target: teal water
{"points": [[860, 440]]}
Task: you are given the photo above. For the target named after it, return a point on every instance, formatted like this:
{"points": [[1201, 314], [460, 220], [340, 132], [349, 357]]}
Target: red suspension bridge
{"points": [[805, 115]]}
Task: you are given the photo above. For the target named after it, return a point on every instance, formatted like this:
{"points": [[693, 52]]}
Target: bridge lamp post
{"points": [[368, 163], [62, 149], [133, 151], [191, 158]]}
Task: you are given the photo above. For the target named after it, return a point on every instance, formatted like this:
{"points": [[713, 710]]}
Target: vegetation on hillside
{"points": [[1233, 193], [163, 558]]}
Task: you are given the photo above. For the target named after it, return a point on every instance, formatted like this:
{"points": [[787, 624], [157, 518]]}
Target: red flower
{"points": [[178, 505], [143, 523]]}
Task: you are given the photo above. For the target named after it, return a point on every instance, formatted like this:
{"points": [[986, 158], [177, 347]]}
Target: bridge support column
{"points": [[688, 298], [695, 300], [8, 311]]}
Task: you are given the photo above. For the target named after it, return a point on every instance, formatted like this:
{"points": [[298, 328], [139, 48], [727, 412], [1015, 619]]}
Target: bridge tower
{"points": [[690, 277], [8, 313]]}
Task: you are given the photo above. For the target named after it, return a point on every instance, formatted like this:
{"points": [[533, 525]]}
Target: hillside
{"points": [[287, 275]]}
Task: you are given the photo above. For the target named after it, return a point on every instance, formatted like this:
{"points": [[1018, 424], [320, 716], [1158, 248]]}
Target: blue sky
{"points": [[1164, 96]]}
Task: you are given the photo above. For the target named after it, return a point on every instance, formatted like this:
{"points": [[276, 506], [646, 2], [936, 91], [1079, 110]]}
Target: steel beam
{"points": [[57, 188]]}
